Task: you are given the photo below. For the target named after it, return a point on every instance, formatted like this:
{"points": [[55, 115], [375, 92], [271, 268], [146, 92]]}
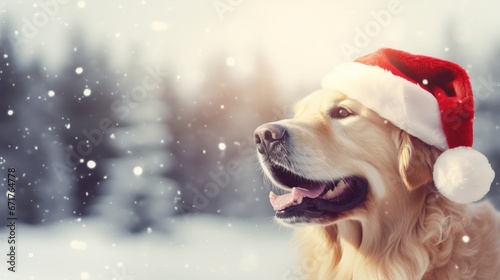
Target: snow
{"points": [[465, 239], [87, 92], [81, 4], [91, 164], [195, 247], [159, 25], [137, 171], [135, 196]]}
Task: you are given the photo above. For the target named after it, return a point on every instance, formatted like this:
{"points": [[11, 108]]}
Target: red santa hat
{"points": [[430, 99]]}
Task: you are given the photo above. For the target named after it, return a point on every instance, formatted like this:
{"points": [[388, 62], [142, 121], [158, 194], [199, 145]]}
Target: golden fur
{"points": [[405, 229]]}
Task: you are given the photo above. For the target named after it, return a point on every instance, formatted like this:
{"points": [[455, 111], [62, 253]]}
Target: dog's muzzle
{"points": [[268, 135]]}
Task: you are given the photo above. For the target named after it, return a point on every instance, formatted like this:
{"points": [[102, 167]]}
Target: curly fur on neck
{"points": [[435, 239]]}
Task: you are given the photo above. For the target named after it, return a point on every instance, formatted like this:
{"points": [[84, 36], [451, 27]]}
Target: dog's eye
{"points": [[339, 113]]}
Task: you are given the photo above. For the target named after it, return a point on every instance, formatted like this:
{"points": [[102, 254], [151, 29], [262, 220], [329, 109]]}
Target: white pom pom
{"points": [[463, 175]]}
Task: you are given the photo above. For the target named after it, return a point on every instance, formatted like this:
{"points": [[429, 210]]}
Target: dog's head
{"points": [[336, 159]]}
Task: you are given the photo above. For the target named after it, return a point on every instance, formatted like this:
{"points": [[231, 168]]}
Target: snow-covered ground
{"points": [[198, 247]]}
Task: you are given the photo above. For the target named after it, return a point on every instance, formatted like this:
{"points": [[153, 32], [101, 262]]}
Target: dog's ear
{"points": [[416, 161]]}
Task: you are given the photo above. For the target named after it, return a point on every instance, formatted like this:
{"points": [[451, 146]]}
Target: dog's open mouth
{"points": [[315, 198]]}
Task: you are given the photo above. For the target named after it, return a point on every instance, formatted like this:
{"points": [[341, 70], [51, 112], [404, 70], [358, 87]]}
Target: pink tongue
{"points": [[280, 202]]}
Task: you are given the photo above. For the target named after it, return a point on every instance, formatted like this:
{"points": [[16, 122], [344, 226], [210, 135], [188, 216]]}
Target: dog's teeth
{"points": [[341, 184], [299, 200], [328, 195]]}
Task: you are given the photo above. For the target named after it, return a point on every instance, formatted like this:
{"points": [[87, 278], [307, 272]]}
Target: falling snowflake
{"points": [[222, 146], [79, 70], [465, 239], [159, 25], [137, 171], [81, 4], [87, 92], [84, 275], [91, 164]]}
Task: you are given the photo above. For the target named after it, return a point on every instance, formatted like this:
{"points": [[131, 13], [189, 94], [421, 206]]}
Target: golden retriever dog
{"points": [[361, 195]]}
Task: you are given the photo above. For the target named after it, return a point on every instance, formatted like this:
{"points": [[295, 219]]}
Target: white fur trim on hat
{"points": [[403, 103]]}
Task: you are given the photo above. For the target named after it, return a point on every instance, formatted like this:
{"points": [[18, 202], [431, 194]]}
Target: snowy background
{"points": [[130, 123]]}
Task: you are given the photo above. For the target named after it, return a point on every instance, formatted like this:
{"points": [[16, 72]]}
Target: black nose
{"points": [[267, 134]]}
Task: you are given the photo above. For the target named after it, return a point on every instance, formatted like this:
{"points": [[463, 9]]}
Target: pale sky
{"points": [[302, 40]]}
